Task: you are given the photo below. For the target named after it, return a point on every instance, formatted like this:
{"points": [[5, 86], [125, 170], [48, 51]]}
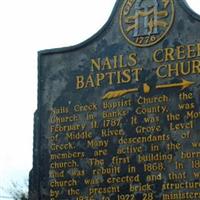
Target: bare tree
{"points": [[18, 192]]}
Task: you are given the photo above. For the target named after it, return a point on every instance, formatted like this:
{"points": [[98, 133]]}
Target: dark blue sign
{"points": [[118, 116]]}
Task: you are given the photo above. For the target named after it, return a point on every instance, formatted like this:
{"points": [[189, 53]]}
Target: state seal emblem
{"points": [[144, 23]]}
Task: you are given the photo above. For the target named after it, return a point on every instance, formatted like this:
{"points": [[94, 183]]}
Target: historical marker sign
{"points": [[119, 115]]}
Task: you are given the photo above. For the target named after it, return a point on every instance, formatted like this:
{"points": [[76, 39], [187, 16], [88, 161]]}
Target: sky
{"points": [[27, 26]]}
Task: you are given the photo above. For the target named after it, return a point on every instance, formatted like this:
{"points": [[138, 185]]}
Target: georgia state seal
{"points": [[144, 23]]}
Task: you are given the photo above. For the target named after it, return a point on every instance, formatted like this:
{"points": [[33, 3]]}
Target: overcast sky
{"points": [[27, 26]]}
